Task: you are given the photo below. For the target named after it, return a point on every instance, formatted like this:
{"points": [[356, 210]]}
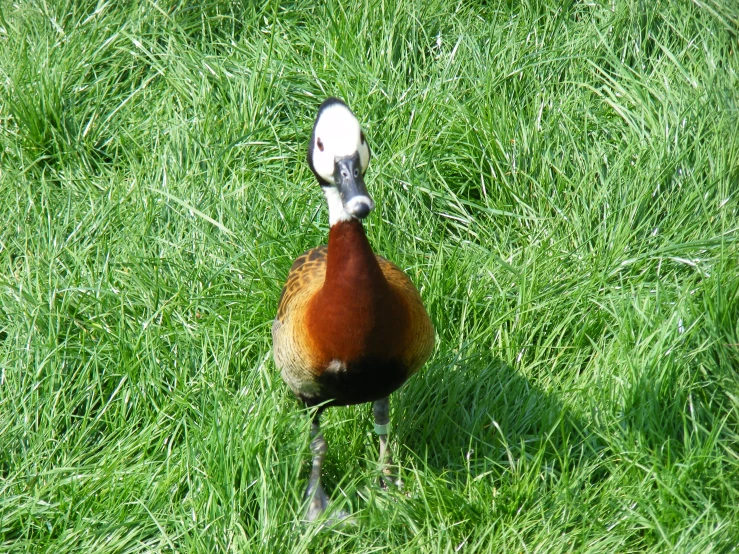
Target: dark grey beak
{"points": [[350, 182]]}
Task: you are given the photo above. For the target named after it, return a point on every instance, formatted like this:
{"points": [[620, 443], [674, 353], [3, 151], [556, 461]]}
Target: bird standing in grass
{"points": [[350, 326]]}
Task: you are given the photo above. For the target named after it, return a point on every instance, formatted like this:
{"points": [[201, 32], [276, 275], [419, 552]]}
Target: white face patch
{"points": [[337, 134]]}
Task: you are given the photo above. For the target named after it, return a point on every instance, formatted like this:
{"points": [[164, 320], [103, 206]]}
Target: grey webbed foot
{"points": [[388, 477], [317, 501], [315, 495]]}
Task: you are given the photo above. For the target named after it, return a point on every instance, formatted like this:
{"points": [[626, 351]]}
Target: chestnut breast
{"points": [[351, 326], [360, 318]]}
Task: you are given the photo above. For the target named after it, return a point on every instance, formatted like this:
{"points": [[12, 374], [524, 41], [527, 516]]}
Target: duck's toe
{"points": [[318, 505]]}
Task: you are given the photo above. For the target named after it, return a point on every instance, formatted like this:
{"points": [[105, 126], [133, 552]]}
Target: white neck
{"points": [[336, 211]]}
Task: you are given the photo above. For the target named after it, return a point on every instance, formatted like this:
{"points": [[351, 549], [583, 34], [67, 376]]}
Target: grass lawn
{"points": [[560, 180]]}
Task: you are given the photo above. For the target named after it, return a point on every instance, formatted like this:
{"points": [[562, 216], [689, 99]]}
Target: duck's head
{"points": [[338, 155]]}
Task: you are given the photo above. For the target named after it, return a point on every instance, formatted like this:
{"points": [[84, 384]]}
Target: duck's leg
{"points": [[381, 409], [315, 495]]}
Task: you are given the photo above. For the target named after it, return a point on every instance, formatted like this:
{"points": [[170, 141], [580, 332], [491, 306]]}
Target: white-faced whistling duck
{"points": [[350, 327]]}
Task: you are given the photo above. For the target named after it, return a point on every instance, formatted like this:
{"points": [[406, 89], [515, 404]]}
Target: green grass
{"points": [[560, 180]]}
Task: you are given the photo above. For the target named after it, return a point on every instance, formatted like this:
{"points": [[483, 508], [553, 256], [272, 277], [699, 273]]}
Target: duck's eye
{"points": [[361, 136], [319, 144], [356, 172]]}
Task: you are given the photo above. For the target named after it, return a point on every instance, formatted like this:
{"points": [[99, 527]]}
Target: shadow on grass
{"points": [[471, 432], [470, 416]]}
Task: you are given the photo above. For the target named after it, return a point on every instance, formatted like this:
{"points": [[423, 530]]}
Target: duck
{"points": [[351, 328]]}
